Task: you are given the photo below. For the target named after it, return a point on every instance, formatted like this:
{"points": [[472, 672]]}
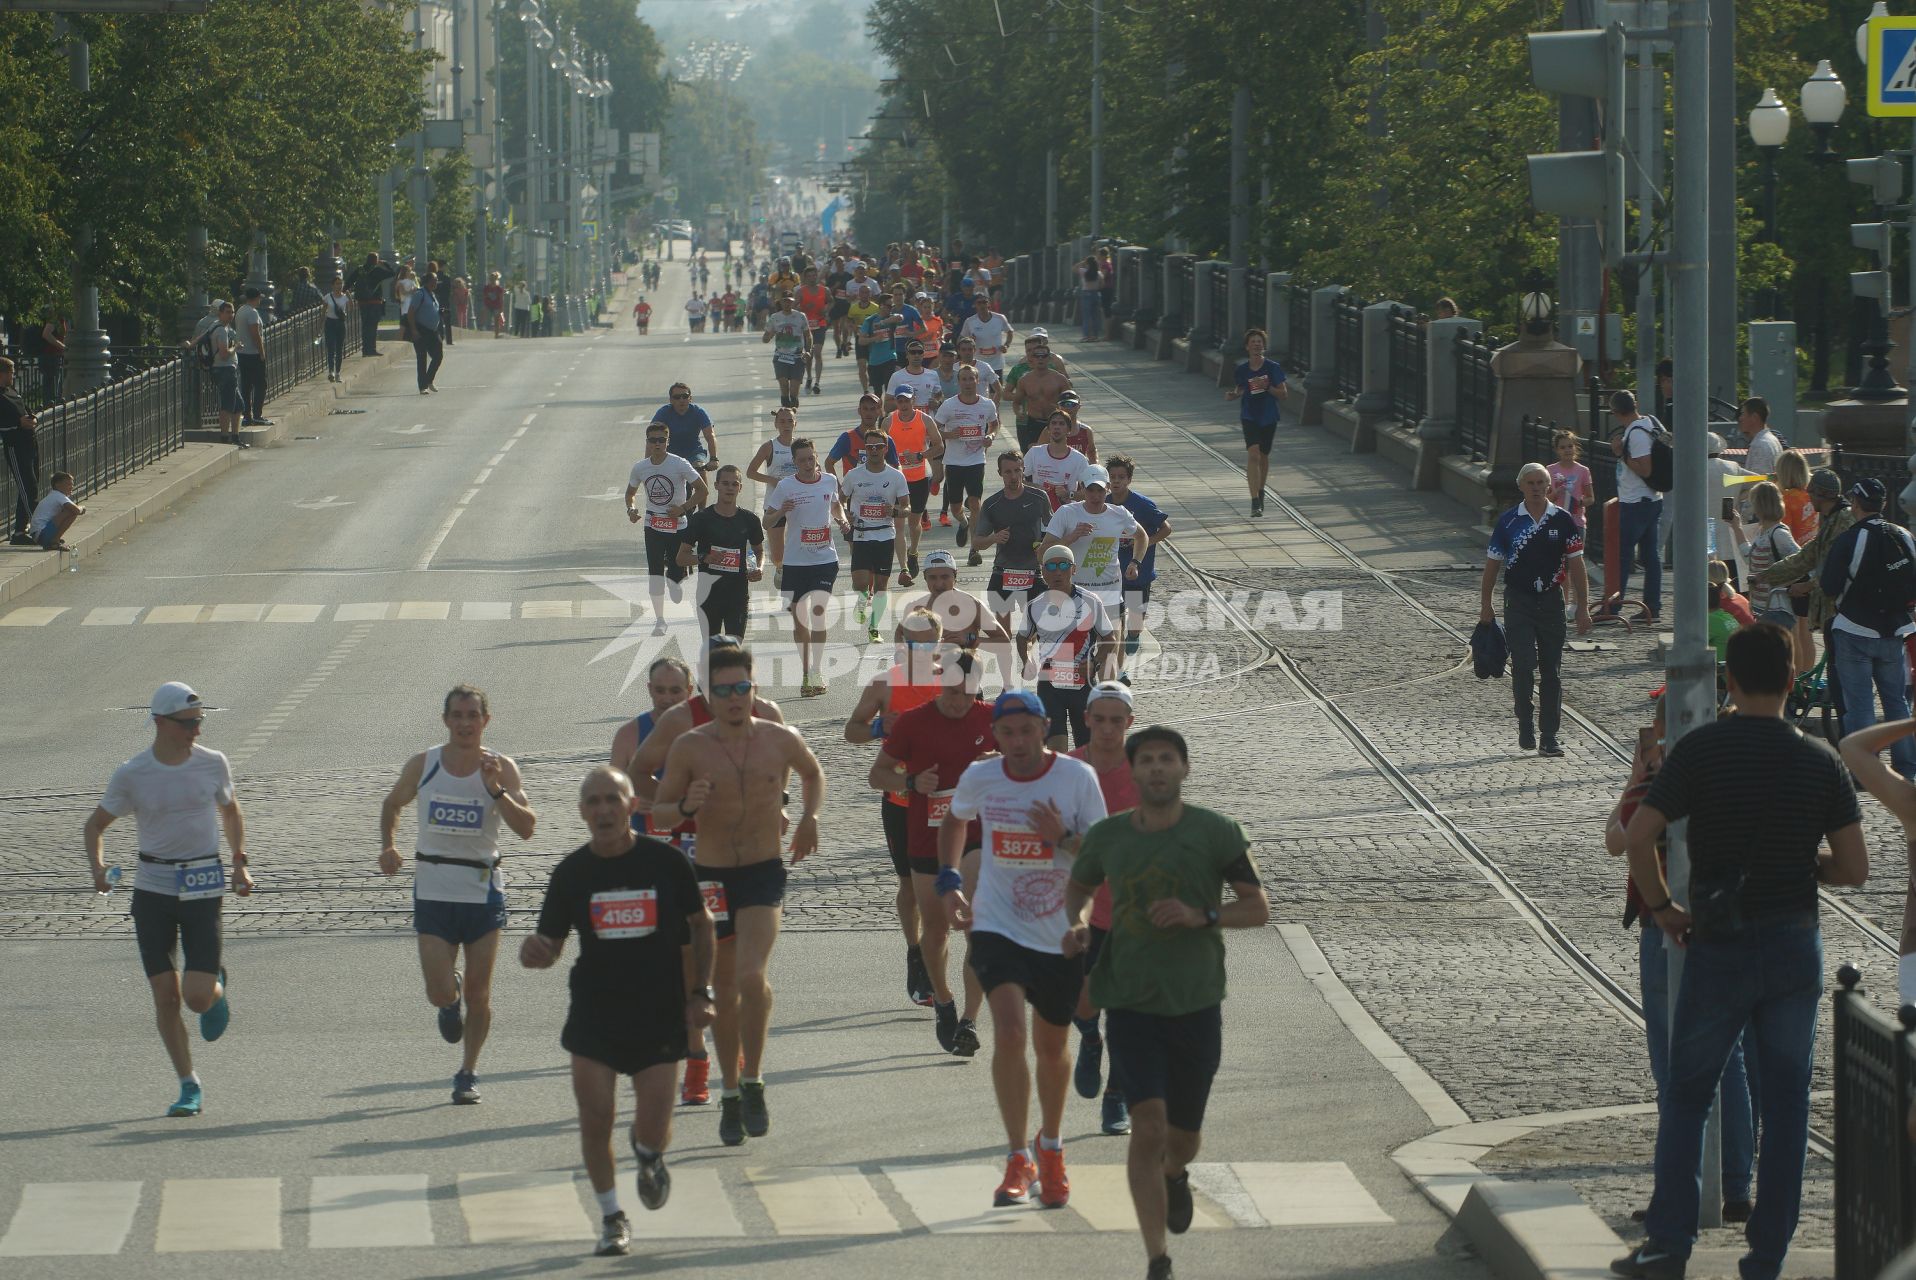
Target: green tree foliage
{"points": [[711, 148]]}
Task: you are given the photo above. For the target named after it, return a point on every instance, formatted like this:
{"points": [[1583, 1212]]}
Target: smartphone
{"points": [[1729, 508]]}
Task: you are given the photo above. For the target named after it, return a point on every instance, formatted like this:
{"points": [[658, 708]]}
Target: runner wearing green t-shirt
{"points": [[1160, 974]]}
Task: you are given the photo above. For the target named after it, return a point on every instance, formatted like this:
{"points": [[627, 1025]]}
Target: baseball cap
{"points": [[1059, 552], [947, 349], [1715, 445], [1826, 482], [1069, 397], [1109, 689], [218, 305], [868, 398], [1095, 474], [914, 345], [173, 697], [941, 560], [905, 392], [1017, 702], [1038, 335], [1869, 489], [967, 280]]}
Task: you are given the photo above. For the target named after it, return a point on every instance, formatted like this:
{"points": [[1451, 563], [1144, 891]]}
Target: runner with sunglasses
{"points": [[687, 425]]}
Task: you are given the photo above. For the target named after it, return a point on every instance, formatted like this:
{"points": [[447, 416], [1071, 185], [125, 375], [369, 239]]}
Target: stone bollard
{"points": [[1440, 396], [1320, 384]]}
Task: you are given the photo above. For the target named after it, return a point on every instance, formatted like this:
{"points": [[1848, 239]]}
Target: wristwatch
{"points": [[1211, 917], [707, 993]]}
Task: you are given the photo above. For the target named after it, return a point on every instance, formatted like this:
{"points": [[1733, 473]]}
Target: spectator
{"points": [[521, 310], [1090, 299], [23, 455], [1871, 572], [1445, 309], [1753, 420], [305, 292], [1801, 571], [367, 283], [1721, 468], [337, 304], [53, 355], [225, 344], [1536, 545], [1653, 983], [55, 514], [1771, 542], [492, 298], [461, 303], [441, 286], [1722, 623], [1861, 751], [1571, 486], [1737, 606], [424, 317], [1666, 387], [1760, 798], [251, 327], [405, 284], [1793, 478], [1639, 507]]}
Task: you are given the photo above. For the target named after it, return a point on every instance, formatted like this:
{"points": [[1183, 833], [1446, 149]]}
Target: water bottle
{"points": [[112, 881]]}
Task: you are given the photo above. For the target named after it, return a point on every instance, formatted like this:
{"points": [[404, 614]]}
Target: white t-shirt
{"points": [[49, 507], [788, 330], [665, 485], [856, 289], [869, 496], [965, 427], [695, 307], [1058, 477], [458, 818], [808, 526], [1097, 553], [176, 808], [1021, 879], [1632, 487], [1764, 450], [990, 335], [1065, 630], [924, 385]]}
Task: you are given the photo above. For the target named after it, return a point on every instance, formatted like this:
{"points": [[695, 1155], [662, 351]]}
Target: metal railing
{"points": [[1875, 1080], [1476, 395], [1347, 320], [1256, 293], [296, 349], [1891, 469], [1220, 334], [110, 433], [1297, 358], [1406, 365]]}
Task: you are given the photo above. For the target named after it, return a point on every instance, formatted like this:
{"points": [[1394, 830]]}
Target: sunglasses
{"points": [[737, 689], [1060, 564], [679, 395], [191, 726]]}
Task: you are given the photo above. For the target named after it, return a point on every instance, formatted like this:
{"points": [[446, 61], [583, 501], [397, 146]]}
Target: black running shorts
{"points": [[897, 823], [662, 554], [626, 1041], [1051, 982], [729, 890], [1169, 1058], [964, 480], [1259, 438], [920, 489], [874, 556], [163, 926], [1066, 709]]}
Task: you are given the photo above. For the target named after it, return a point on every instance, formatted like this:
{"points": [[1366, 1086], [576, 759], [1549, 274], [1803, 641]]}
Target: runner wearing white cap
{"points": [[181, 796], [1069, 642], [1093, 529]]}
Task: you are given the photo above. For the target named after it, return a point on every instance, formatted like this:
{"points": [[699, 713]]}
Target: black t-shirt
{"points": [[1026, 516], [632, 915], [13, 410], [706, 529], [1760, 798]]}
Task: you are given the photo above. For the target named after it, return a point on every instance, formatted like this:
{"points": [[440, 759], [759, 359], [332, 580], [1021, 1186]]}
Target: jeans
{"points": [[1863, 662], [1739, 1084], [1768, 979], [1089, 301], [1637, 535], [1534, 628], [369, 316], [252, 378], [429, 352], [335, 343]]}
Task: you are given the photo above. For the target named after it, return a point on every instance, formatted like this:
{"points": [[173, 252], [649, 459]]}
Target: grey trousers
{"points": [[1535, 629]]}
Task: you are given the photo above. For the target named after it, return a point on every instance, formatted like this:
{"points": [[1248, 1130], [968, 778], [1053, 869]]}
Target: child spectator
{"points": [[1570, 486], [1737, 606], [1722, 622], [55, 514]]}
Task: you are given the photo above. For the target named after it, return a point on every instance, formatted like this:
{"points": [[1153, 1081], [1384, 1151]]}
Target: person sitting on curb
{"points": [[55, 514]]}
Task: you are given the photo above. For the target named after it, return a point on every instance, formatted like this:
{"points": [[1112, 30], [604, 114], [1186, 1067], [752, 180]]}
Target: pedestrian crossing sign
{"points": [[1891, 44]]}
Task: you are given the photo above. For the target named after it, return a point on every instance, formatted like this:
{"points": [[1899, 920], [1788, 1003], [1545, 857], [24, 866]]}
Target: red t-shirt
{"points": [[1120, 793], [1634, 901], [925, 738]]}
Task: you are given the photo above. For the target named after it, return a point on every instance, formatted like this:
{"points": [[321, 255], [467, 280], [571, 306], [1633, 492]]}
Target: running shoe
{"points": [[731, 1123], [918, 979], [861, 608], [947, 1025], [696, 1091], [1177, 1203], [904, 577], [1257, 506], [964, 532], [189, 1100], [452, 1018], [758, 1121], [944, 522], [1650, 1261], [465, 1088], [1089, 1076], [1117, 1116], [964, 1042], [1020, 1173], [976, 559], [778, 577], [218, 1014], [871, 635], [1159, 1269], [1054, 1189], [655, 1180], [615, 1237], [911, 565], [924, 524]]}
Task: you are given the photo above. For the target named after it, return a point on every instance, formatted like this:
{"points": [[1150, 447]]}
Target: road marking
{"points": [[63, 1218], [521, 431], [370, 1211], [955, 1199], [481, 477], [486, 611], [112, 616], [1101, 1195], [30, 617], [469, 496], [1309, 1194], [361, 612], [546, 609], [416, 429], [523, 1208], [439, 539], [604, 609], [295, 612], [236, 613], [494, 461], [699, 1207], [288, 705], [322, 504], [821, 1202], [528, 421], [218, 1215], [164, 613], [424, 610]]}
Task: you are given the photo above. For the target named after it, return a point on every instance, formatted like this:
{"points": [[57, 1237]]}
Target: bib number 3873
{"points": [[204, 879]]}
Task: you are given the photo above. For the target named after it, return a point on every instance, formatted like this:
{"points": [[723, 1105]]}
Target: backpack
{"points": [[425, 308], [1884, 584], [203, 348], [1662, 477]]}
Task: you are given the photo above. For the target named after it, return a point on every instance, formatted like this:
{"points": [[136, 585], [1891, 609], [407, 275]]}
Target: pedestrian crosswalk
{"points": [[602, 608], [546, 1207]]}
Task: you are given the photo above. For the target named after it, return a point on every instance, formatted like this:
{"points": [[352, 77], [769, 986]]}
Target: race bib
{"points": [[455, 815], [1019, 579], [202, 879], [937, 805], [815, 537], [664, 524], [1019, 846], [873, 511], [714, 894], [625, 913], [724, 559], [1260, 383], [971, 431], [1061, 675], [910, 459]]}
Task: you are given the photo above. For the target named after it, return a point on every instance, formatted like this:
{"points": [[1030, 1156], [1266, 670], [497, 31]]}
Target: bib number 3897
{"points": [[205, 879]]}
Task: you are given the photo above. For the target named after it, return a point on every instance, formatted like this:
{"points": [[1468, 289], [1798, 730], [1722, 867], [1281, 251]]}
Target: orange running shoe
{"points": [[1053, 1187], [696, 1092], [944, 519], [1020, 1173], [924, 523]]}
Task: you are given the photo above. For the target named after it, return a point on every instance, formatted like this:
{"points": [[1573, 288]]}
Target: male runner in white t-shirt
{"points": [[969, 423], [674, 489], [803, 508]]}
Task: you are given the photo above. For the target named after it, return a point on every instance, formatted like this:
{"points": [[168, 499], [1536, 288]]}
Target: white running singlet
{"points": [[459, 819]]}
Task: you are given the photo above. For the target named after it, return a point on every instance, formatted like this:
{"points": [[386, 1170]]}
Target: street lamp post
{"points": [[1822, 99], [1769, 129]]}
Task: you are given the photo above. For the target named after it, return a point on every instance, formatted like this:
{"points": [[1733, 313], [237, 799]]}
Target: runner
{"points": [[920, 446], [181, 797], [727, 543], [1079, 437], [989, 383], [848, 451], [673, 490], [815, 301], [922, 381], [792, 333], [739, 765], [991, 330], [1057, 468], [759, 302], [1095, 530], [1075, 641], [885, 331], [924, 751], [1034, 807], [688, 425], [805, 506], [835, 281], [783, 279], [1011, 522], [1157, 526], [878, 498], [728, 311], [1160, 970], [964, 621], [459, 896], [1108, 718], [1260, 386], [969, 425], [771, 464], [862, 309], [1035, 387], [634, 902], [642, 315], [695, 309], [912, 681]]}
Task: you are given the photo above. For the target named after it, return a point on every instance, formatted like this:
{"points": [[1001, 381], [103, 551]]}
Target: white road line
{"points": [[528, 421], [295, 612], [496, 459], [523, 1208], [521, 431], [1101, 1194], [481, 477], [30, 617], [439, 539], [1313, 1194], [284, 711], [956, 1199], [822, 1202], [470, 495], [370, 1211], [61, 1218], [218, 1215]]}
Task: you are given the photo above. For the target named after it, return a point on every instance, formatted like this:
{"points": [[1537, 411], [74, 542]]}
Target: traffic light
{"points": [[1883, 175], [1584, 184], [1877, 238]]}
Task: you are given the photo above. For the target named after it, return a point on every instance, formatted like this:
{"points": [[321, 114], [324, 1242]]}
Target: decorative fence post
{"points": [[1439, 424], [1320, 382]]}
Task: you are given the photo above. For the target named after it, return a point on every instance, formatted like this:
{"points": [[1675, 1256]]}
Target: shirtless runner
{"points": [[734, 771], [1036, 393]]}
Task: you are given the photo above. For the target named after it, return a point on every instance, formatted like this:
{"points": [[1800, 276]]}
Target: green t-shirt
{"points": [[1142, 967], [1722, 624]]}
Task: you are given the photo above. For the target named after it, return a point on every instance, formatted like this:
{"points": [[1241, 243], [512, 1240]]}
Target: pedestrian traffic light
{"points": [[1883, 175], [1584, 184]]}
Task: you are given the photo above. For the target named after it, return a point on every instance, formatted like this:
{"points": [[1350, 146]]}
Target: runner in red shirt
{"points": [[815, 302], [642, 315], [1107, 718]]}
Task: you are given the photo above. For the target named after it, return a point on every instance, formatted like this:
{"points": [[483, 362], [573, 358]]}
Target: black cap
{"points": [[1869, 490]]}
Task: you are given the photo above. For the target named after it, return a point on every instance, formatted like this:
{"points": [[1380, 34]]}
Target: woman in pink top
{"points": [[1107, 718], [1570, 486]]}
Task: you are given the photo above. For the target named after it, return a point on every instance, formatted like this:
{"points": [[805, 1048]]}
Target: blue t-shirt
{"points": [[1259, 408], [1535, 553], [687, 431], [846, 447], [1147, 514], [960, 306], [883, 331]]}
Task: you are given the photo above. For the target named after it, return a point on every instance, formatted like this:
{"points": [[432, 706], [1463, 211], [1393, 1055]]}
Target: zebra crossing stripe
{"points": [[1320, 1194], [821, 1202], [955, 1199], [539, 1207], [371, 1211], [57, 1219], [218, 1215]]}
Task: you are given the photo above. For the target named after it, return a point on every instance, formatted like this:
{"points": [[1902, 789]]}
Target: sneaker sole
{"points": [[1001, 1200]]}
